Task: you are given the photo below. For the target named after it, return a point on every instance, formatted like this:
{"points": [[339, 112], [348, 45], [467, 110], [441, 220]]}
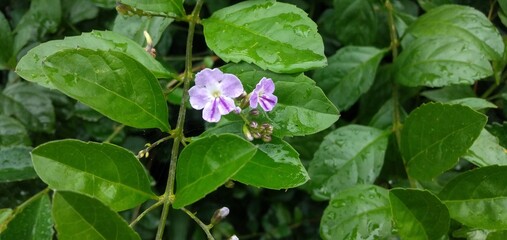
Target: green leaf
{"points": [[275, 36], [465, 23], [436, 62], [78, 10], [81, 217], [107, 172], [133, 27], [430, 4], [350, 73], [486, 151], [16, 164], [30, 105], [348, 156], [360, 212], [30, 67], [6, 41], [498, 235], [168, 7], [499, 131], [449, 93], [31, 221], [207, 163], [276, 165], [478, 198], [42, 18], [435, 135], [5, 217], [473, 103], [105, 3], [111, 83], [418, 214], [383, 119], [250, 75], [346, 21], [302, 107], [12, 132]]}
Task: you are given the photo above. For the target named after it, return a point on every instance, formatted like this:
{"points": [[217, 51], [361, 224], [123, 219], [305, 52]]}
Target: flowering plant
{"points": [[134, 141]]}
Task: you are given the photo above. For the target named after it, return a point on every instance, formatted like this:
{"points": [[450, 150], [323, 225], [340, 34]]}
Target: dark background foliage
{"points": [[255, 213]]}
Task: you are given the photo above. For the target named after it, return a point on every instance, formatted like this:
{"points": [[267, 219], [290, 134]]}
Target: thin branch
{"points": [[204, 227]]}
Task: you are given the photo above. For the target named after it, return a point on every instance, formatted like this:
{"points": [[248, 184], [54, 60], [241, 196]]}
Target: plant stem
{"points": [[204, 227], [143, 152], [133, 223], [395, 89], [394, 49], [116, 131], [169, 191]]}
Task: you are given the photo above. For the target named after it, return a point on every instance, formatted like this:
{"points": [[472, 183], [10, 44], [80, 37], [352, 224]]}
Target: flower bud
{"points": [[256, 135], [237, 110], [247, 133], [219, 215], [233, 237], [266, 138], [254, 125], [254, 112]]}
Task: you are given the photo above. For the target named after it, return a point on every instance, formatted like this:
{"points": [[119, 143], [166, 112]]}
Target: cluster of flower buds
{"points": [[255, 131]]}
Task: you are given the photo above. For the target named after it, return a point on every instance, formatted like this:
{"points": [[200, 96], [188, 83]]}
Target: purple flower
{"points": [[263, 95], [214, 92]]}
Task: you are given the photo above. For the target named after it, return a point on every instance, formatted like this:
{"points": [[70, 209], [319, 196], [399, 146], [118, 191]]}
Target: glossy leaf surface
{"points": [[104, 171], [473, 103], [207, 163], [436, 62], [486, 151], [12, 132], [463, 22], [28, 104], [360, 212], [348, 156], [478, 198], [449, 93], [169, 7], [30, 66], [436, 135], [16, 164], [275, 165], [350, 73], [111, 83], [418, 214], [274, 35], [302, 109], [80, 217], [33, 221]]}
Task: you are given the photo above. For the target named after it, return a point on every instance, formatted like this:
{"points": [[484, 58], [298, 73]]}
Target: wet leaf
{"points": [[80, 217], [348, 156], [436, 135], [290, 44], [360, 212], [111, 83], [104, 171], [207, 163]]}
